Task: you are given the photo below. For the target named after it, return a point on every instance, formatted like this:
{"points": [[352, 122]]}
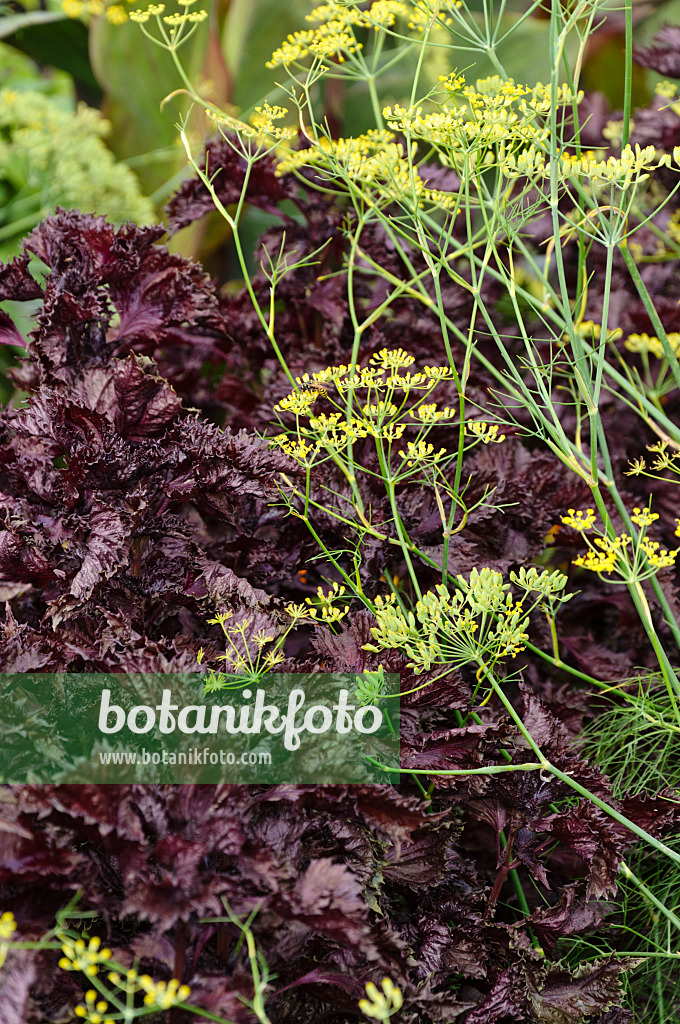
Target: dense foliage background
{"points": [[139, 495]]}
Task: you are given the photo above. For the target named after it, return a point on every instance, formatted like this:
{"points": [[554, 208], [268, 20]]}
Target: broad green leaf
{"points": [[12, 23], [136, 77], [59, 42]]}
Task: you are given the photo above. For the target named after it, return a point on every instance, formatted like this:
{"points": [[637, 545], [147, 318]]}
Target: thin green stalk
{"points": [[386, 472], [613, 813], [553, 636], [513, 875], [628, 72], [641, 289], [566, 778], [375, 102], [493, 769], [650, 896]]}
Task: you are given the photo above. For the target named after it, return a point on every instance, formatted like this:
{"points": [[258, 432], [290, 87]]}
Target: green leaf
{"points": [[58, 42], [14, 22], [136, 76]]}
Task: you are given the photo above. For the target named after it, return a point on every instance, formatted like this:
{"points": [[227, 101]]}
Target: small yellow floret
{"points": [[579, 520], [643, 517], [116, 14]]}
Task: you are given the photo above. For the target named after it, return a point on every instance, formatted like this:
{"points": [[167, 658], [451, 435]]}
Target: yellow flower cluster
{"points": [[189, 18], [381, 1005], [152, 11], [604, 559], [486, 432], [297, 402], [324, 604], [8, 926], [264, 118], [334, 429], [392, 358], [163, 994], [651, 344], [664, 460], [93, 1009], [372, 159], [115, 13], [426, 12], [429, 413], [490, 113], [643, 517], [298, 450], [82, 956], [658, 557], [378, 416], [160, 995], [621, 554], [421, 452], [386, 361], [333, 35], [580, 520]]}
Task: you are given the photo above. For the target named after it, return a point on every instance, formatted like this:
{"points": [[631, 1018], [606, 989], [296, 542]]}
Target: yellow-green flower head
{"points": [[297, 611], [296, 448], [597, 562], [152, 11], [331, 373], [627, 170], [485, 589], [8, 925], [79, 956], [325, 604], [63, 152], [425, 11], [546, 583], [365, 377], [407, 381], [263, 121], [190, 17], [332, 38], [384, 13]]}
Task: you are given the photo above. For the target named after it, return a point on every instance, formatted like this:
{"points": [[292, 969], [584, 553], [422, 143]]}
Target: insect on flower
{"points": [[314, 387]]}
